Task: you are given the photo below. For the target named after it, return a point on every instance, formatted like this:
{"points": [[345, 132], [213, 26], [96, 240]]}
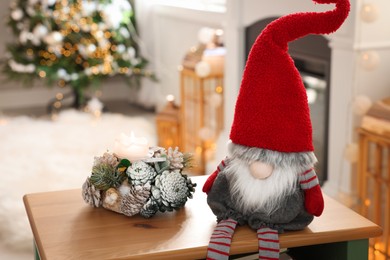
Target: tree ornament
{"points": [[17, 14]]}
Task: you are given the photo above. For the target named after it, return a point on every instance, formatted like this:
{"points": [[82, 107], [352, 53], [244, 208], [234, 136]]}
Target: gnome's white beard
{"points": [[250, 194]]}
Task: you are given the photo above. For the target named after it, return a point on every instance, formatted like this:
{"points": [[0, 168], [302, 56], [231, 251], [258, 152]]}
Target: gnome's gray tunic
{"points": [[291, 215]]}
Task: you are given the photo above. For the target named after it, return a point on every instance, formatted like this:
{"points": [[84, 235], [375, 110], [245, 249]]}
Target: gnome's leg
{"points": [[268, 243], [221, 240]]}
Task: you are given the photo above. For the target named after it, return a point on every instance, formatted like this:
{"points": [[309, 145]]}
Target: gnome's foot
{"points": [[268, 243], [221, 240]]}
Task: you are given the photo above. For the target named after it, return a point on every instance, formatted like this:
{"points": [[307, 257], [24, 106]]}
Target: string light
{"points": [[219, 89], [369, 60], [61, 83], [369, 13], [42, 74]]}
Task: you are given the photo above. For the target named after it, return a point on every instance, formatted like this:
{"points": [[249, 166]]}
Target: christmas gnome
{"points": [[268, 180]]}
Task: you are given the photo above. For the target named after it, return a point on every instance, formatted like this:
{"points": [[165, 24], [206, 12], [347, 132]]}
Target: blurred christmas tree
{"points": [[75, 43]]}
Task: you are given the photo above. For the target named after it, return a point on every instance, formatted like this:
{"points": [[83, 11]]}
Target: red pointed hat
{"points": [[272, 111]]}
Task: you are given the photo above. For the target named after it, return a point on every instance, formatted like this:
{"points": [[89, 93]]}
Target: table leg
{"points": [[348, 250], [36, 252]]}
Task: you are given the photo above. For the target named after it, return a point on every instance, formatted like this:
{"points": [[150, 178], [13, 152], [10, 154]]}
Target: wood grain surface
{"points": [[65, 227]]}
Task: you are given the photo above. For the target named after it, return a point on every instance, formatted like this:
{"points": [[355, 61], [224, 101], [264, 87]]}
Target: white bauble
{"points": [[88, 71], [202, 69], [48, 2], [40, 31], [88, 8], [17, 14], [121, 48], [131, 52], [30, 11], [124, 32], [91, 48], [35, 40], [74, 76], [361, 105], [112, 16], [206, 35], [53, 38], [23, 37]]}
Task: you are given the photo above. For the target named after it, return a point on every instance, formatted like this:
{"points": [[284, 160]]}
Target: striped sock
{"points": [[268, 243], [221, 240]]}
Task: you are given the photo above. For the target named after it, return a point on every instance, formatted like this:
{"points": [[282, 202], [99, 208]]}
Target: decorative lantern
{"points": [[168, 124], [201, 115], [201, 109]]}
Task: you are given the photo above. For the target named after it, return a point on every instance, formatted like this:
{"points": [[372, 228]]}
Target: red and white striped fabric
{"points": [[268, 243], [221, 239]]}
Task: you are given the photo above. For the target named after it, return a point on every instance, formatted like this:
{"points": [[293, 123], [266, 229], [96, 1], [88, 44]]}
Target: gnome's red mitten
{"points": [[210, 180], [314, 202]]}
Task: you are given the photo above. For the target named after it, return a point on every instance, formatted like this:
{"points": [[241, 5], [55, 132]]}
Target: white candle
{"points": [[131, 147]]}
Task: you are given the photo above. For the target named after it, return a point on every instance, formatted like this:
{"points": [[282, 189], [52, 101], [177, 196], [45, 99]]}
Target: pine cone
{"points": [[175, 159], [133, 202], [107, 158], [149, 209], [190, 185], [141, 173], [173, 190], [91, 194], [158, 151]]}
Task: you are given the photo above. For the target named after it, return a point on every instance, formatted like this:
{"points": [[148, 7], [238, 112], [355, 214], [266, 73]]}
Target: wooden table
{"points": [[65, 227]]}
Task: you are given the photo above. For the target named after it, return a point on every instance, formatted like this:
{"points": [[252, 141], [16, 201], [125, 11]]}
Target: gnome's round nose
{"points": [[260, 170]]}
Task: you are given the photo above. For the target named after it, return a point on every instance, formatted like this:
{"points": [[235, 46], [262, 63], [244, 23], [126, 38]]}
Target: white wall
{"points": [[168, 32]]}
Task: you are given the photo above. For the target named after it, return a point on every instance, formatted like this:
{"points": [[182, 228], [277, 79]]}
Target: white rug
{"points": [[39, 155]]}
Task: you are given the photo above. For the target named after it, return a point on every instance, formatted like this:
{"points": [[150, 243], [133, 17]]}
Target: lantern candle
{"points": [[131, 147]]}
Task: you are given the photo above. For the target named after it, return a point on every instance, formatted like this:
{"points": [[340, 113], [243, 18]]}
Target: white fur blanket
{"points": [[38, 155]]}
